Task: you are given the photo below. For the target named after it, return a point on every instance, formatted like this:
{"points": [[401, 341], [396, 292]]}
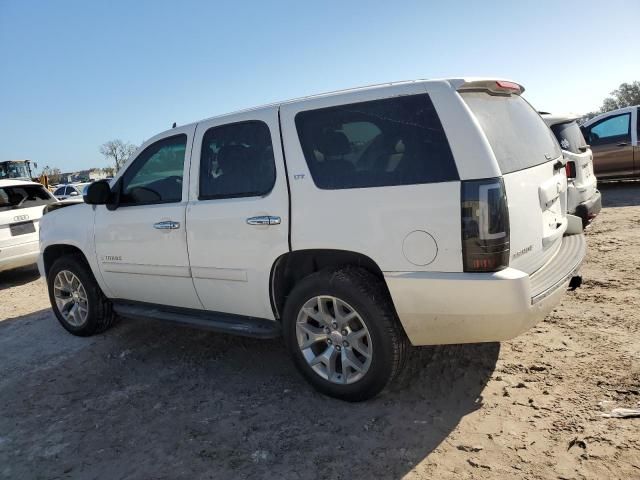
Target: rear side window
{"points": [[395, 141], [518, 136], [237, 161], [569, 137], [24, 196]]}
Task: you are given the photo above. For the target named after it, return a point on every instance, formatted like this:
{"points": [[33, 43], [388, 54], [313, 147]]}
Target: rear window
{"points": [[518, 136], [569, 136], [394, 141], [23, 196]]}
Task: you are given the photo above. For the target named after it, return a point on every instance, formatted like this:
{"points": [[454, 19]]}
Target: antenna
{"points": [[174, 125]]}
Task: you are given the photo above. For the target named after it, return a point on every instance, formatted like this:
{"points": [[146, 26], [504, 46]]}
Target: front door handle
{"points": [[167, 225], [622, 144], [264, 220]]}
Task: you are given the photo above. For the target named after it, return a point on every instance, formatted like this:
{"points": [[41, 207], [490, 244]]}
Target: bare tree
{"points": [[117, 151]]}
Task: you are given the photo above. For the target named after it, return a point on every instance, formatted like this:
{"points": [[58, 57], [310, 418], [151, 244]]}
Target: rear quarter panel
{"points": [[376, 221]]}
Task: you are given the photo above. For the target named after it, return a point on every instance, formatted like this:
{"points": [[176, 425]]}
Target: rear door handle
{"points": [[167, 225], [264, 220]]}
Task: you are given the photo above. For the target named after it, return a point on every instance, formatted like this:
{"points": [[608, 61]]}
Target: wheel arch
{"points": [[291, 267], [52, 252]]}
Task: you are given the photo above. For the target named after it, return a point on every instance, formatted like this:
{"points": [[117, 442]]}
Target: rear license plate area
{"points": [[22, 228]]}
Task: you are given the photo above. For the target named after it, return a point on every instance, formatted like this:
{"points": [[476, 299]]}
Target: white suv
{"points": [[21, 206], [352, 223], [583, 198]]}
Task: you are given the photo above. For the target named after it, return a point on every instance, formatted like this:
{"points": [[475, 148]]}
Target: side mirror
{"points": [[98, 193], [73, 194]]}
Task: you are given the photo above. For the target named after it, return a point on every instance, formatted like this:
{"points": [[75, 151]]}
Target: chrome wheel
{"points": [[334, 339], [71, 298]]}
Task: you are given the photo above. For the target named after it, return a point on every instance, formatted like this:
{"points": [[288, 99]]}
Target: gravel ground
{"points": [[153, 401]]}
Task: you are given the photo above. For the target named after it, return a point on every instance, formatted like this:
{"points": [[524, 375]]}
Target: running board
{"points": [[216, 321]]}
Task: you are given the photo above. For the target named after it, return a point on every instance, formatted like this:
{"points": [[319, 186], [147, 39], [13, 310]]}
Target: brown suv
{"points": [[613, 137]]}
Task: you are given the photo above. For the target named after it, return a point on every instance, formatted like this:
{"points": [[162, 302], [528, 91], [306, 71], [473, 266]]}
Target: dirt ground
{"points": [[153, 401]]}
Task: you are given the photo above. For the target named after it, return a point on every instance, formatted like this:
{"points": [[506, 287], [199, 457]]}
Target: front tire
{"points": [[76, 298], [341, 330]]}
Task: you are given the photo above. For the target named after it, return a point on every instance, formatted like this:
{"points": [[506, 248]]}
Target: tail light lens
{"points": [[570, 168], [485, 225]]}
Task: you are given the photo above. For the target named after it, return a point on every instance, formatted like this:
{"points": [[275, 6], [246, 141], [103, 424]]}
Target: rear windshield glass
{"points": [[569, 136], [23, 196], [393, 141], [518, 136]]}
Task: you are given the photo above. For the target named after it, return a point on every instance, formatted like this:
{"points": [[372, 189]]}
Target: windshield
{"points": [[14, 170], [518, 136], [24, 196]]}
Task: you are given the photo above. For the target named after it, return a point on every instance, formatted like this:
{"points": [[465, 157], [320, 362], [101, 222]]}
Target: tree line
{"points": [[626, 95]]}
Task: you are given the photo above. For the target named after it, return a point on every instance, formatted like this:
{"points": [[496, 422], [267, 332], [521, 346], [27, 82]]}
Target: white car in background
{"points": [[583, 198], [75, 190], [21, 206]]}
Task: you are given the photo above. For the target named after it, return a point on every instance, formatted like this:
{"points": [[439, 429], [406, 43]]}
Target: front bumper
{"points": [[444, 308], [588, 209]]}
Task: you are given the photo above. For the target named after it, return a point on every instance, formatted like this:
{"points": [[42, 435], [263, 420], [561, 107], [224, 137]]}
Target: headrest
{"points": [[232, 157], [334, 143]]}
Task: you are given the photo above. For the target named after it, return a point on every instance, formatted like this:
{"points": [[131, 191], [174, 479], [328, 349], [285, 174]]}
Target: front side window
{"points": [[569, 137], [59, 191], [24, 196], [612, 129], [237, 161], [394, 141], [156, 174]]}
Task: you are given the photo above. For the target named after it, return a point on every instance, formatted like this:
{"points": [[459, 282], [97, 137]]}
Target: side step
{"points": [[216, 321]]}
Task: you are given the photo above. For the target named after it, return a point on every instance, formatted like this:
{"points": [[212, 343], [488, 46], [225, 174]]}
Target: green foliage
{"points": [[626, 95]]}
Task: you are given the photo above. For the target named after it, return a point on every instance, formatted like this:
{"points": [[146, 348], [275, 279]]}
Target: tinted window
{"points": [[395, 141], [518, 136], [612, 129], [155, 176], [237, 161], [23, 196], [59, 191], [569, 136]]}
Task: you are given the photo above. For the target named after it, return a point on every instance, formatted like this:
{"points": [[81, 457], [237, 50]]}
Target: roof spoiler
{"points": [[493, 87]]}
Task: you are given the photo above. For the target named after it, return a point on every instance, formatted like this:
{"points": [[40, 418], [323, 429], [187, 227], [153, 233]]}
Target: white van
{"points": [[21, 205], [354, 224]]}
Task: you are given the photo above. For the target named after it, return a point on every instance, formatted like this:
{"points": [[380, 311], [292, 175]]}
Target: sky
{"points": [[75, 74]]}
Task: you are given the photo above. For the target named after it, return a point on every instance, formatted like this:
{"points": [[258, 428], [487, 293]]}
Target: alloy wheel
{"points": [[71, 298], [334, 340]]}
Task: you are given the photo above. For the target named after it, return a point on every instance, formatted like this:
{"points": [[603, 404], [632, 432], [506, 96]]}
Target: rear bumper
{"points": [[19, 255], [588, 209], [445, 308]]}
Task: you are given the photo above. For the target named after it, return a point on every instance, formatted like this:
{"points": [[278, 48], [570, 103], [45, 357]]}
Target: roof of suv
{"points": [[554, 118], [454, 82]]}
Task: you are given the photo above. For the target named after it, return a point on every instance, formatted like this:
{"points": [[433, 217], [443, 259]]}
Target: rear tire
{"points": [[76, 298], [342, 332]]}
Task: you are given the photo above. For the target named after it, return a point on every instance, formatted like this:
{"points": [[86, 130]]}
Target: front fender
{"points": [[72, 227]]}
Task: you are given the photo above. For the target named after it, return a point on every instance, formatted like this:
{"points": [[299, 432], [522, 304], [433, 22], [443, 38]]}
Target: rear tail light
{"points": [[570, 168], [485, 225]]}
